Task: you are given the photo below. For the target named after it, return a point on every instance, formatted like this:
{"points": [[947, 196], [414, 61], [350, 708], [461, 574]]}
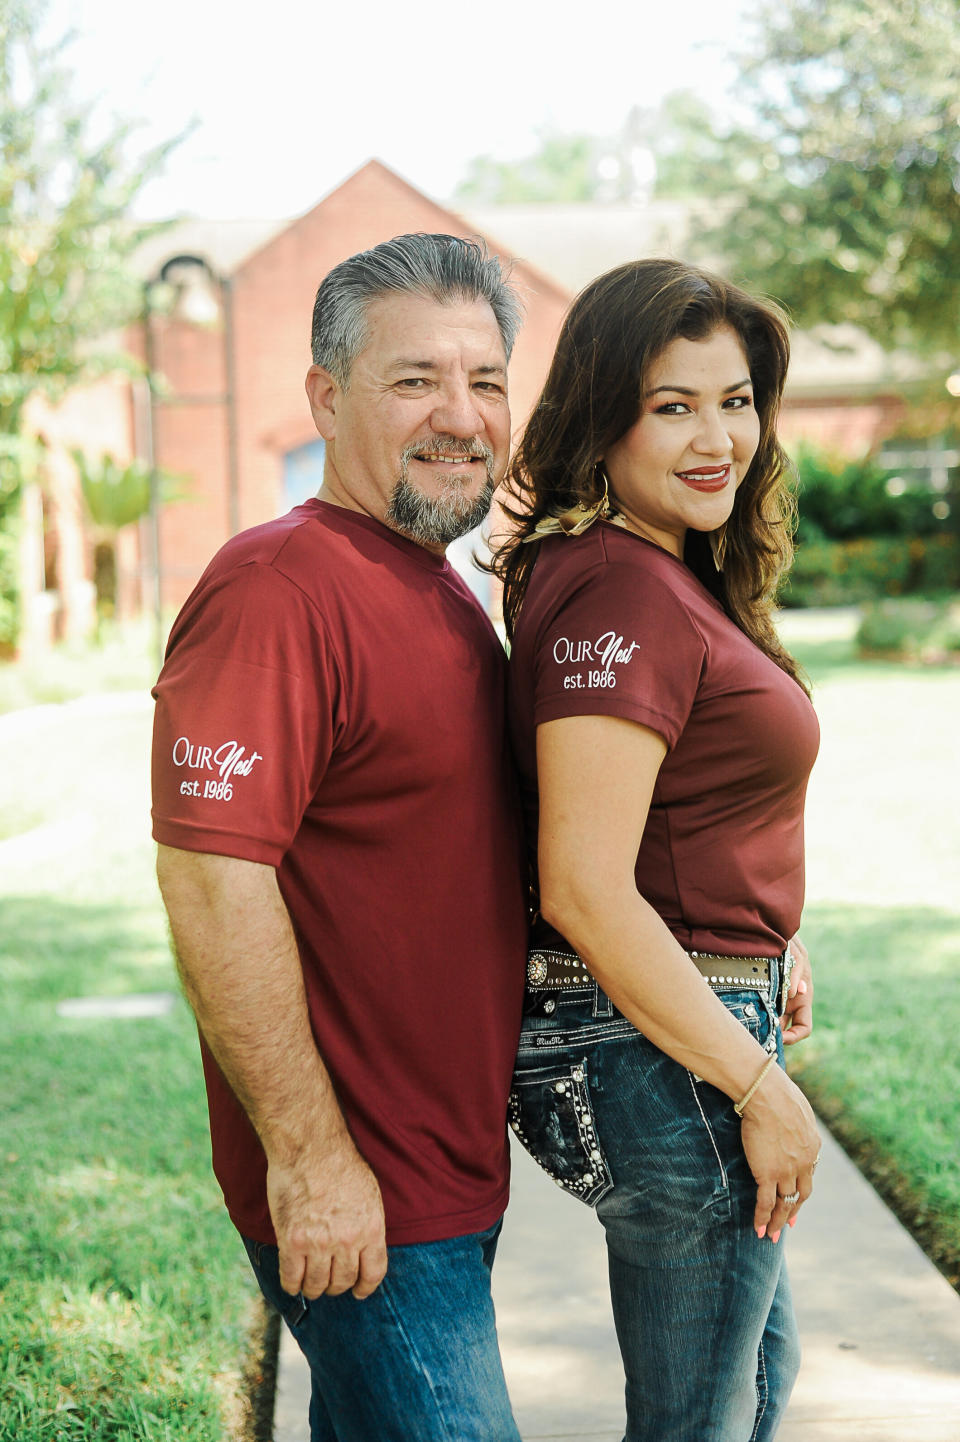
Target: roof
{"points": [[223, 244], [564, 247], [574, 243]]}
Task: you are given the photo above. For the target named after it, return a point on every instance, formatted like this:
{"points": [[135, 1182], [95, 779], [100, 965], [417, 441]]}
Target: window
{"points": [[302, 473]]}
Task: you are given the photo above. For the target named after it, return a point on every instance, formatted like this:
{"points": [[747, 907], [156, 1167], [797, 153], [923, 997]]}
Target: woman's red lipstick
{"points": [[705, 478]]}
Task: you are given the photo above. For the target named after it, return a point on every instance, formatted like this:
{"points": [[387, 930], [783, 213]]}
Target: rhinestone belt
{"points": [[565, 971]]}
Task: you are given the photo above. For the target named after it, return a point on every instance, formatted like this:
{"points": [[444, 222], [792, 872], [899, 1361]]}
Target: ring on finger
{"points": [[789, 1197], [817, 1162]]}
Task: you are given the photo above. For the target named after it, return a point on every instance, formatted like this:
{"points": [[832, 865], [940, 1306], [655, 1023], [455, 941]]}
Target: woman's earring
{"points": [[574, 521], [718, 545]]}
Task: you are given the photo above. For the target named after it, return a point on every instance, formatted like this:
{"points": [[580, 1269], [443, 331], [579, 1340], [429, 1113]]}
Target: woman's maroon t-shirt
{"points": [[332, 704], [612, 625]]}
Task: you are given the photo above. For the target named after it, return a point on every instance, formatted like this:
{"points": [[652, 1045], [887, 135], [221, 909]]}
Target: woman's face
{"points": [[679, 465]]}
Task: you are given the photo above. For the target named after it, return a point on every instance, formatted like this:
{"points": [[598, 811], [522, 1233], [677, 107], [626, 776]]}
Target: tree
{"points": [[65, 244], [116, 496], [578, 168], [842, 195], [562, 169]]}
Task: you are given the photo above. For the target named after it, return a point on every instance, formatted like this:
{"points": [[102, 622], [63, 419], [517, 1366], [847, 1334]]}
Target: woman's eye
{"points": [[738, 403], [671, 408]]}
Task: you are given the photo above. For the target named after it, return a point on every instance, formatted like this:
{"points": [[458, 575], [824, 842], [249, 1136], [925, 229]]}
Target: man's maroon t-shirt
{"points": [[332, 704], [613, 625]]}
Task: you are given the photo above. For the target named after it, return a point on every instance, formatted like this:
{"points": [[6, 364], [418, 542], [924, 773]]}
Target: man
{"points": [[340, 860]]}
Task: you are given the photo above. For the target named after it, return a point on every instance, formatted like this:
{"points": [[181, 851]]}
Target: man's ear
{"points": [[323, 393]]}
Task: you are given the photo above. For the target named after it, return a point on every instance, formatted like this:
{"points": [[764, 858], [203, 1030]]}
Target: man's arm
{"points": [[240, 967]]}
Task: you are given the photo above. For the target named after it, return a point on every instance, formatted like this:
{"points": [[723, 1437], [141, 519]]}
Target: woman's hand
{"points": [[782, 1146], [797, 1020]]}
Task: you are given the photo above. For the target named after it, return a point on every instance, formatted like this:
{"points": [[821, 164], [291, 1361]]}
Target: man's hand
{"points": [[797, 1020], [328, 1216], [238, 958]]}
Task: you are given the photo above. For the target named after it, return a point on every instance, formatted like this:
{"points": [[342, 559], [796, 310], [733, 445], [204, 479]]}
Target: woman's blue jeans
{"points": [[701, 1305], [417, 1361]]}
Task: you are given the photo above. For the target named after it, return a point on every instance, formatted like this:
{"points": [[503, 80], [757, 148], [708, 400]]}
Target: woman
{"points": [[664, 740]]}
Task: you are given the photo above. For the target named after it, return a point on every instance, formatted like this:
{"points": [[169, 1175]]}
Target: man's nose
{"points": [[456, 412]]}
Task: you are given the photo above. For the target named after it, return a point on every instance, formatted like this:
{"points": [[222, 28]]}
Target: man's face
{"points": [[420, 435]]}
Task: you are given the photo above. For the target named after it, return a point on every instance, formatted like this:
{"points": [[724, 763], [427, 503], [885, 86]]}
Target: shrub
{"points": [[913, 630], [851, 572], [846, 498]]}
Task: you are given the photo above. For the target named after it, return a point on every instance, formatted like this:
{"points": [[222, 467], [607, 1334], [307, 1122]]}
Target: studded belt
{"points": [[565, 971]]}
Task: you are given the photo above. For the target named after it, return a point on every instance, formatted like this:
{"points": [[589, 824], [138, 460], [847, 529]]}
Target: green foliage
{"points": [[561, 170], [914, 630], [686, 147], [66, 242], [10, 494], [845, 497], [115, 495], [844, 573], [842, 197], [858, 538], [651, 145], [19, 456], [122, 659], [65, 199]]}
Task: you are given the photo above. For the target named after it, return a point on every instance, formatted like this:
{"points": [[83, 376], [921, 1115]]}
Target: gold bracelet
{"points": [[739, 1106]]}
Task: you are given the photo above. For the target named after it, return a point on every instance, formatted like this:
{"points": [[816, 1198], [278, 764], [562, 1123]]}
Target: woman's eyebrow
{"points": [[686, 391]]}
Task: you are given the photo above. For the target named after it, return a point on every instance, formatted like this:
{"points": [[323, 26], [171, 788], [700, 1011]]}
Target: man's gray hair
{"points": [[443, 268]]}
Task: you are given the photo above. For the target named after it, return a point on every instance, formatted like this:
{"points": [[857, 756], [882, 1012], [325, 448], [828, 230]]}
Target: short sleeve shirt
{"points": [[332, 705], [612, 625]]}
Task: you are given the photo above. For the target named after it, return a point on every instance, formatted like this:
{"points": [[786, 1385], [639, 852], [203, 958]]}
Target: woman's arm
{"points": [[596, 778]]}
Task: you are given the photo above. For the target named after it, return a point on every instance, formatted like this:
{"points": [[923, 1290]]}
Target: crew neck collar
{"points": [[418, 554]]}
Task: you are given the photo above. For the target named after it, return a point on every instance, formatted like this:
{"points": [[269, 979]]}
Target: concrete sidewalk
{"points": [[880, 1326]]}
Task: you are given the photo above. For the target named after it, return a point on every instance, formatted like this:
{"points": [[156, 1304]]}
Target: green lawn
{"points": [[123, 660], [883, 925], [125, 1299]]}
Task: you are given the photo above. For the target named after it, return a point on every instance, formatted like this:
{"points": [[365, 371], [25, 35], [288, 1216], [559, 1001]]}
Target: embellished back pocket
{"points": [[551, 1112]]}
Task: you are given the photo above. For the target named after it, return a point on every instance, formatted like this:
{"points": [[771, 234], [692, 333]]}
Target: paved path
{"points": [[880, 1326]]}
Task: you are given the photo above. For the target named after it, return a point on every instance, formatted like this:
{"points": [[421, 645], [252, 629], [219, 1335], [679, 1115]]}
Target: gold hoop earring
{"points": [[574, 521]]}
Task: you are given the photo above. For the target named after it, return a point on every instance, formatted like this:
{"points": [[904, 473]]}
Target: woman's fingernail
{"points": [[775, 1237], [792, 1222], [761, 1232], [802, 987]]}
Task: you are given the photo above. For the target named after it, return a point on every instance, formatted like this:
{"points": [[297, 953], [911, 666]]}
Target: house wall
{"points": [[59, 602], [272, 297], [847, 425]]}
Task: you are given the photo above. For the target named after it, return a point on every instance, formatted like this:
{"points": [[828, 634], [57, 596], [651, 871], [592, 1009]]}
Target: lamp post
{"points": [[202, 296]]}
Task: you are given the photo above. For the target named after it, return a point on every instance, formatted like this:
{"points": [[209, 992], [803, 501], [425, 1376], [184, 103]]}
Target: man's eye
{"points": [[412, 383], [494, 387]]}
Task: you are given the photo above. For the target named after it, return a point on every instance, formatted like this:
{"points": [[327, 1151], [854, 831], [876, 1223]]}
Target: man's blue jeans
{"points": [[417, 1361], [701, 1306]]}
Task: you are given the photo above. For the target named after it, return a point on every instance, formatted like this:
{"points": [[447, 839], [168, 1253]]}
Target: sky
{"points": [[290, 101]]}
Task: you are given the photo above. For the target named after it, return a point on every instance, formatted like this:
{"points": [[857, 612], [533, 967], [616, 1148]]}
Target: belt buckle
{"points": [[536, 969], [788, 962]]}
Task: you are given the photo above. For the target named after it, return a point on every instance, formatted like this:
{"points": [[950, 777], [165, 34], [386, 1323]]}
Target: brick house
{"points": [[228, 409]]}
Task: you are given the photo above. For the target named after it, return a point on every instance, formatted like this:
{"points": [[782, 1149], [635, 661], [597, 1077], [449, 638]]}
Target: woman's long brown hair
{"points": [[615, 328]]}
